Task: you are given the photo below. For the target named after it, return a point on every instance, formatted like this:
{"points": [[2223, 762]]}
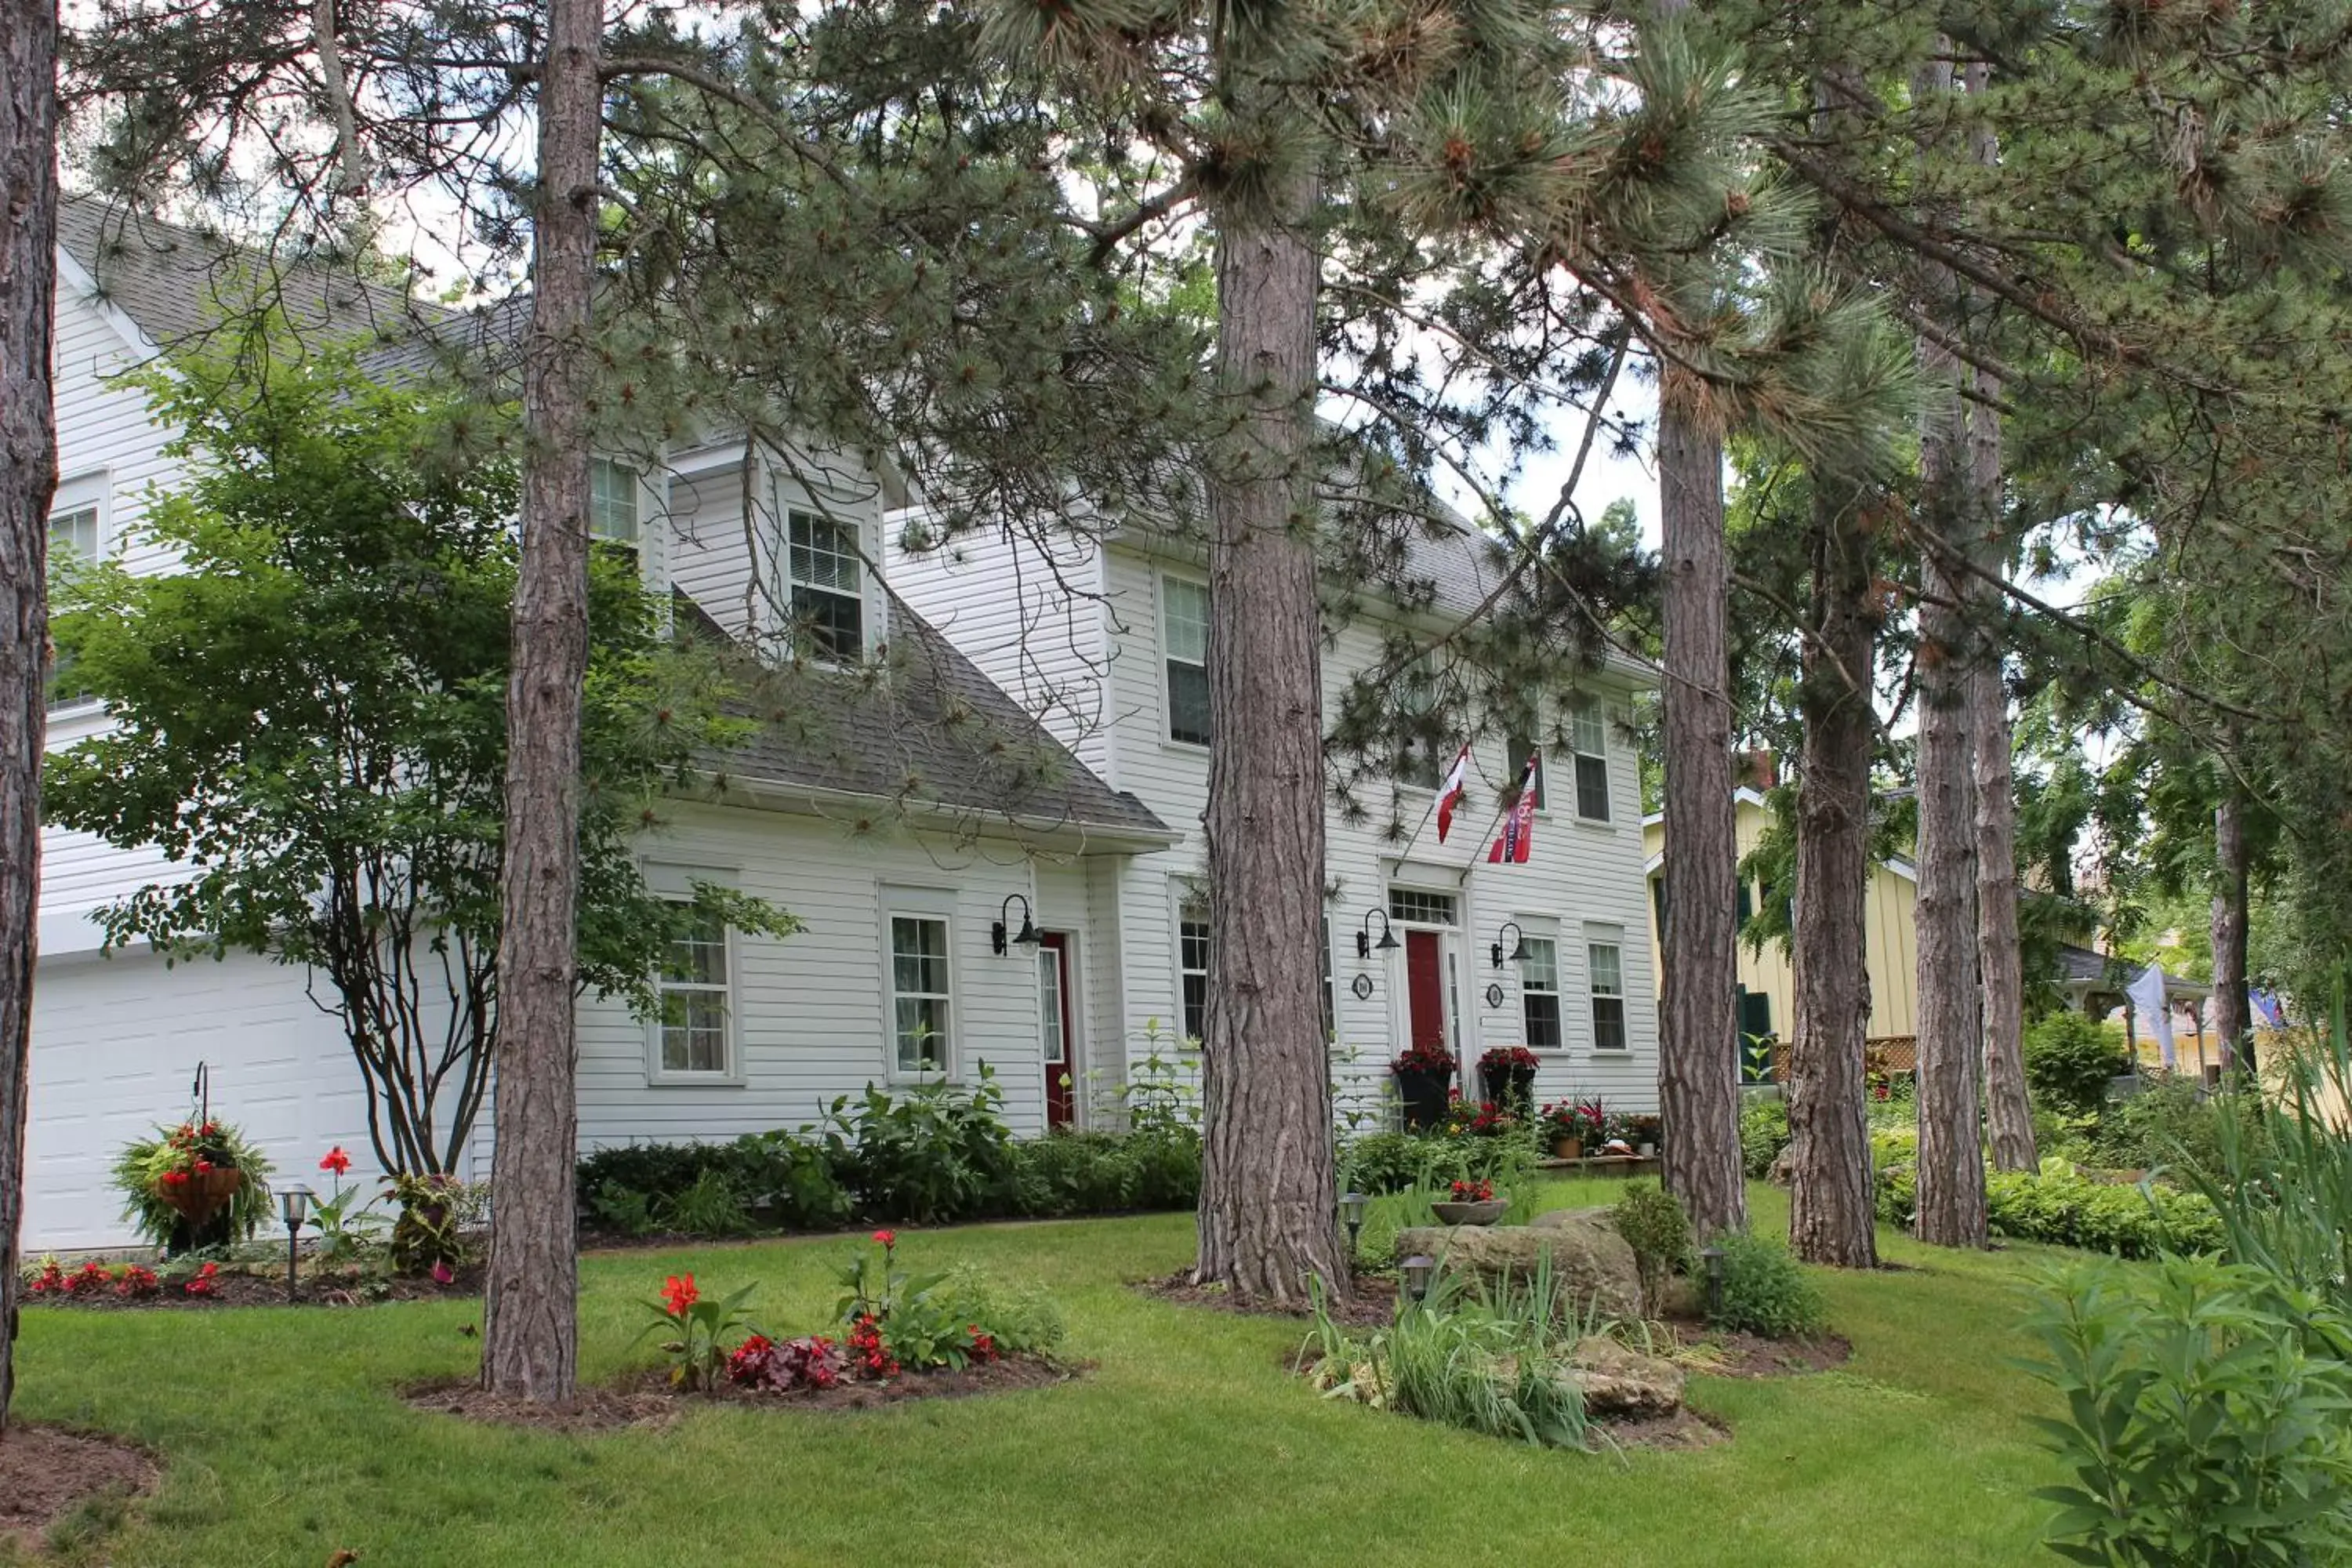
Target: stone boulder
{"points": [[1618, 1381], [1591, 1267]]}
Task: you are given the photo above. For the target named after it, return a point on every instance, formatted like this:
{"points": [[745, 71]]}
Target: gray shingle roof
{"points": [[921, 727], [925, 728], [178, 283]]}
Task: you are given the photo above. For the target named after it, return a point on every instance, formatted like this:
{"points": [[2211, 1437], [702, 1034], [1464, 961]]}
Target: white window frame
{"points": [[787, 509], [1535, 928], [1190, 912], [1613, 938], [658, 1072], [937, 904], [92, 492], [1167, 656], [605, 474], [1577, 754]]}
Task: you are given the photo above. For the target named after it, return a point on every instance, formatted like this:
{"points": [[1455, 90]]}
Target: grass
{"points": [[1188, 1444]]}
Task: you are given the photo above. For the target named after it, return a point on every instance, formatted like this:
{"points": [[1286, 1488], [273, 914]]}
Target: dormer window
{"points": [[613, 502], [827, 585]]}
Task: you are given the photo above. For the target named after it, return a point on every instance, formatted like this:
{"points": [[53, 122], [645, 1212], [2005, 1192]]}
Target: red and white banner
{"points": [[1519, 822], [1457, 785]]}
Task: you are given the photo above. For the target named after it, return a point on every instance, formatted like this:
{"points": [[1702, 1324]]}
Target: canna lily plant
{"points": [[695, 1330]]}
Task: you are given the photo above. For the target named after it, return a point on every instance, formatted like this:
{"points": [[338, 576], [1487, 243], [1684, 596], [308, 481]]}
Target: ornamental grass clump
{"points": [[1494, 1362]]}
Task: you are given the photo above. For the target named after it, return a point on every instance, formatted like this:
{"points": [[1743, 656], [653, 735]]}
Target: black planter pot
{"points": [[1511, 1088], [1424, 1094]]}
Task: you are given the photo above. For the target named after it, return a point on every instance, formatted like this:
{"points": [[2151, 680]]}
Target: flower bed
{"points": [[890, 1325], [186, 1284]]}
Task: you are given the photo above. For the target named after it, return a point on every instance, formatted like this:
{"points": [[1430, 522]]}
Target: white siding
{"points": [[105, 443], [810, 1010], [709, 557], [1032, 615], [1579, 873]]}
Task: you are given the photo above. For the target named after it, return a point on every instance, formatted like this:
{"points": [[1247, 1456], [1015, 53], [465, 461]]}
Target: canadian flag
{"points": [[1457, 785], [1519, 824]]}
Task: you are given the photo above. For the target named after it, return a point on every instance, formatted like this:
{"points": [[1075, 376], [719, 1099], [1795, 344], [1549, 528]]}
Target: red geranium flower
{"points": [[888, 1238], [336, 1161], [679, 1294]]}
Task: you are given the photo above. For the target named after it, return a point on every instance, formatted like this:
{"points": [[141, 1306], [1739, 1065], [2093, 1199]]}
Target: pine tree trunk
{"points": [[1698, 1062], [1951, 1191], [1267, 1214], [531, 1319], [2231, 1022], [2008, 1112], [1830, 1216], [28, 474]]}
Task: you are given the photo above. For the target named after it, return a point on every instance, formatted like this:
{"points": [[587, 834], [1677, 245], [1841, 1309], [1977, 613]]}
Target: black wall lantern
{"points": [[1518, 944], [1028, 936], [1365, 945]]}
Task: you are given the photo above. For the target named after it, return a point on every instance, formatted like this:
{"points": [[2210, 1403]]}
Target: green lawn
{"points": [[1187, 1444]]}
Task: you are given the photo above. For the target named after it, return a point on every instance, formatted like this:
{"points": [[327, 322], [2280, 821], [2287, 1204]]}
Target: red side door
{"points": [[1425, 988], [1053, 1028]]}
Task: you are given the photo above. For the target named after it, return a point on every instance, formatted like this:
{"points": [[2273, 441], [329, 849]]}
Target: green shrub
{"points": [[1763, 1132], [2171, 1125], [1653, 1224], [2068, 1060], [1895, 1194], [1022, 1319], [1765, 1291], [937, 1153], [2203, 1416], [708, 1206], [1077, 1173], [2058, 1203], [1393, 1162]]}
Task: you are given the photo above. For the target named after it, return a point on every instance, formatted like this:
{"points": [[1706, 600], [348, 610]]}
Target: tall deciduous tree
{"points": [[308, 717], [530, 1326], [28, 473]]}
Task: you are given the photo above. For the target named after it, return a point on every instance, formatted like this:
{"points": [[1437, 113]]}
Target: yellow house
{"points": [[1768, 1001]]}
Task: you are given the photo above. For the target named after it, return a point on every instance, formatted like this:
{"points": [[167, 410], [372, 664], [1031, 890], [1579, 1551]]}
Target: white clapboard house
{"points": [[888, 821]]}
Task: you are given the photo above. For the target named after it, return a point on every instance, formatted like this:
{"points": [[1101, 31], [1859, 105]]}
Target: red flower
{"points": [[888, 1238], [442, 1273], [204, 1167], [204, 1283], [679, 1294], [336, 1161]]}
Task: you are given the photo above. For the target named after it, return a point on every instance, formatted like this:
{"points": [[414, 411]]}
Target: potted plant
{"points": [[1563, 1127], [1643, 1134], [1473, 1202], [198, 1184], [1509, 1073], [1423, 1073]]}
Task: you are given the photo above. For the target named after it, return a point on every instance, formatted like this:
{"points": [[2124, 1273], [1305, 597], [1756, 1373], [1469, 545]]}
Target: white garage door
{"points": [[115, 1044]]}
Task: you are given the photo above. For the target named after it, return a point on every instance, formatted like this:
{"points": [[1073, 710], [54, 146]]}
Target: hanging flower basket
{"points": [[197, 1196]]}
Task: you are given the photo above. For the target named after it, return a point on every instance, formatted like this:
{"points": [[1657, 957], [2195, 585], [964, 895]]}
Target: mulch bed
{"points": [[1370, 1305], [647, 1399], [46, 1472], [1754, 1356], [267, 1290], [1683, 1430]]}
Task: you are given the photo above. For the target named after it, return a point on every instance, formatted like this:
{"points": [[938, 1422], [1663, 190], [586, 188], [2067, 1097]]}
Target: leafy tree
{"points": [[310, 719]]}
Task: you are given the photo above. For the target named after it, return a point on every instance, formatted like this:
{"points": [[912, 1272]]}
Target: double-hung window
{"points": [[1184, 632], [1192, 969], [613, 502], [922, 1014], [73, 543], [695, 986], [1539, 994], [827, 584], [1604, 965], [1588, 735]]}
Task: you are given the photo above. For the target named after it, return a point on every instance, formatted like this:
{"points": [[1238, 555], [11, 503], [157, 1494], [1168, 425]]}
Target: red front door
{"points": [[1053, 1028], [1425, 989]]}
